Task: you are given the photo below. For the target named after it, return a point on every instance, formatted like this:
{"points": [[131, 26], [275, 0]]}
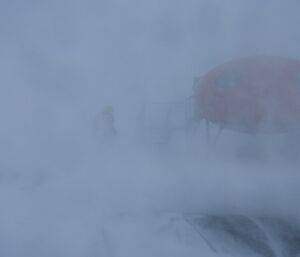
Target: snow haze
{"points": [[63, 193]]}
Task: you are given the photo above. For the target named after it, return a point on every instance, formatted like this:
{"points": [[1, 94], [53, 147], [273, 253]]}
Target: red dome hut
{"points": [[252, 95]]}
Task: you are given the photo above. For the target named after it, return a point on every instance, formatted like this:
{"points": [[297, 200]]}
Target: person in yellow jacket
{"points": [[105, 126]]}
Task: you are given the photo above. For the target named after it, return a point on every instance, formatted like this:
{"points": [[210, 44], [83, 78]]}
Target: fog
{"points": [[66, 192]]}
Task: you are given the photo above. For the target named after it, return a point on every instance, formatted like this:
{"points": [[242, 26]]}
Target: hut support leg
{"points": [[220, 129], [207, 131]]}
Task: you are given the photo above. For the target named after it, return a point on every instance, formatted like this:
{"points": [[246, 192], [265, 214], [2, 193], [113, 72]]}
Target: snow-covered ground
{"points": [[174, 234], [147, 203]]}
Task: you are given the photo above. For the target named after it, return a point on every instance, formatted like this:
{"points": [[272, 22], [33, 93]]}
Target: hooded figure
{"points": [[104, 126]]}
